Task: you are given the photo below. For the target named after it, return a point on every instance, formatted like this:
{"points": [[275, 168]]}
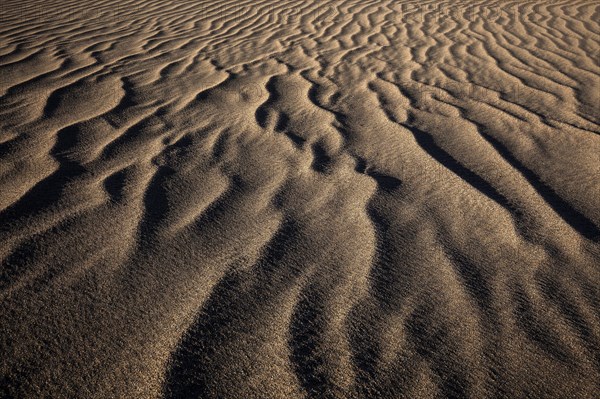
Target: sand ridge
{"points": [[299, 199]]}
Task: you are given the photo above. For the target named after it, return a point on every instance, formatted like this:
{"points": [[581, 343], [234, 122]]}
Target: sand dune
{"points": [[299, 199]]}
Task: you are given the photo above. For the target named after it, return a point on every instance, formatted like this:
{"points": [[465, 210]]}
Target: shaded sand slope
{"points": [[292, 199]]}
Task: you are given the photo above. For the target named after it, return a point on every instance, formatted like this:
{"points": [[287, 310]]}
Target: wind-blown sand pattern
{"points": [[299, 199]]}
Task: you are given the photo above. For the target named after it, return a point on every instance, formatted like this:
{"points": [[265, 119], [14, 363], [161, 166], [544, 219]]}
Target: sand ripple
{"points": [[299, 199]]}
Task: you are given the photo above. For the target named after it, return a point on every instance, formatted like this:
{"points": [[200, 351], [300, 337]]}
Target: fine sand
{"points": [[343, 199]]}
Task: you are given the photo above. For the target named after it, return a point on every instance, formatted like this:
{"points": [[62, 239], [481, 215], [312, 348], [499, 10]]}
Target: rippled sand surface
{"points": [[334, 199]]}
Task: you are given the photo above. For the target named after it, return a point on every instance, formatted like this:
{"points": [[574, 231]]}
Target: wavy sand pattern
{"points": [[300, 199]]}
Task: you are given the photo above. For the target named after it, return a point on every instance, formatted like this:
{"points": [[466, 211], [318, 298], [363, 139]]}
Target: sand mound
{"points": [[299, 199]]}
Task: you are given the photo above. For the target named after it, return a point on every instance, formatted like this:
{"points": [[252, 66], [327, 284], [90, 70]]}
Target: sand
{"points": [[299, 199]]}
